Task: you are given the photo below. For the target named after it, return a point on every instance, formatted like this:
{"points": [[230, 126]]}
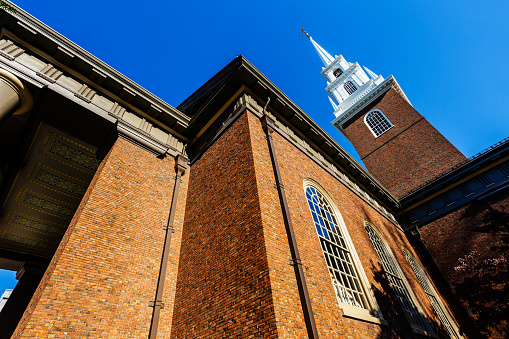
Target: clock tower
{"points": [[397, 144]]}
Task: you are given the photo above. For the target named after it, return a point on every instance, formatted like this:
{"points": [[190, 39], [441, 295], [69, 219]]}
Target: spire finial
{"points": [[304, 32], [326, 57]]}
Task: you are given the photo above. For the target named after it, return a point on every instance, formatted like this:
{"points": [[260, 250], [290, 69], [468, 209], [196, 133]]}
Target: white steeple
{"points": [[347, 83], [333, 103], [371, 74], [323, 54]]}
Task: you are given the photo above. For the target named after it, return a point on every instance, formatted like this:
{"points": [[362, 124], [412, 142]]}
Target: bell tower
{"points": [[397, 144]]}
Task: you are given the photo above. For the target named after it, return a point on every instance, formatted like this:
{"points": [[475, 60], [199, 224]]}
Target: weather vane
{"points": [[303, 31]]}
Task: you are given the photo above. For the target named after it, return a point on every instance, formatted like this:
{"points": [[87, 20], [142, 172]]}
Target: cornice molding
{"points": [[28, 27], [343, 76], [133, 126], [337, 60], [369, 97]]}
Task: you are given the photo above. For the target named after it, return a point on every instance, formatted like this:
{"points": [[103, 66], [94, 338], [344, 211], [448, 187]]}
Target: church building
{"points": [[232, 215]]}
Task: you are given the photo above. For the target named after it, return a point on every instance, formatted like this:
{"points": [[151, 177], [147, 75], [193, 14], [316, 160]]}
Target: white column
{"points": [[14, 96]]}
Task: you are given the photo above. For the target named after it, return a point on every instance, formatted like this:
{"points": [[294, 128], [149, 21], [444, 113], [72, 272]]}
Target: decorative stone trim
{"points": [[25, 32], [336, 62], [343, 76], [25, 97], [49, 73], [97, 76], [130, 122], [127, 95], [64, 56], [85, 93], [143, 132], [367, 99], [9, 50]]}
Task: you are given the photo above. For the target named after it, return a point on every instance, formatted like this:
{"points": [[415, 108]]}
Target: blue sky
{"points": [[450, 57]]}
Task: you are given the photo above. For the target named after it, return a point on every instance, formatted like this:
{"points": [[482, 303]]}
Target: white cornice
{"points": [[336, 61], [343, 76], [388, 83], [354, 98]]}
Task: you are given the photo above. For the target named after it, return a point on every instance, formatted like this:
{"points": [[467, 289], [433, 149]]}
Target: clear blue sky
{"points": [[450, 57]]}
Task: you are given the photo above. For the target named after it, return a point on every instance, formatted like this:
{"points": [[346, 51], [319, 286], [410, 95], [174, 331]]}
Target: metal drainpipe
{"points": [[268, 127], [180, 167]]}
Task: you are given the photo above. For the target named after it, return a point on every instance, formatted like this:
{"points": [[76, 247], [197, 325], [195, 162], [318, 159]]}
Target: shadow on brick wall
{"points": [[392, 311], [483, 284]]}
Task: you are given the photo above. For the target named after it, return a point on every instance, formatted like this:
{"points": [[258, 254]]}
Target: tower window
{"points": [[337, 72], [336, 250], [395, 277], [439, 309], [377, 122], [349, 87]]}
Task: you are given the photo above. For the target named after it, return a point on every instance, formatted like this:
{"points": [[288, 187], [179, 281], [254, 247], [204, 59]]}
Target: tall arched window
{"points": [[349, 87], [437, 305], [348, 279], [397, 280], [377, 122]]}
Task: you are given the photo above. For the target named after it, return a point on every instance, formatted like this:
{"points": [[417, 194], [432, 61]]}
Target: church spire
{"points": [[326, 58], [347, 83]]}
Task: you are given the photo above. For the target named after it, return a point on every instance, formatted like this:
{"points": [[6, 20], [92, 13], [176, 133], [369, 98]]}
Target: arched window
{"points": [[437, 305], [337, 72], [377, 122], [348, 279], [349, 87], [397, 280]]}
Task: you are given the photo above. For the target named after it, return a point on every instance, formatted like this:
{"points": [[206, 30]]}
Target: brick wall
{"points": [[232, 277], [295, 167], [478, 228], [106, 267], [464, 230], [223, 284], [407, 155]]}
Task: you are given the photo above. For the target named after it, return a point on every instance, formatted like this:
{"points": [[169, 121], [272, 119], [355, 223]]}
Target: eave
{"points": [[202, 105], [33, 35]]}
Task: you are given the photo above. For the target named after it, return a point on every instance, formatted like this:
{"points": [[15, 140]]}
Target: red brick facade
{"points": [[105, 270], [223, 284], [409, 154], [295, 167], [231, 277], [477, 231], [468, 228]]}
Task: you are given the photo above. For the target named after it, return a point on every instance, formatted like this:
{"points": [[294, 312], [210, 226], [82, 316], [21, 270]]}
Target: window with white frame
{"points": [[437, 305], [349, 87], [377, 122], [348, 279], [397, 280]]}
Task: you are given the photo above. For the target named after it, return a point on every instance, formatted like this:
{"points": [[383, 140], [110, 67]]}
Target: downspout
{"points": [[268, 127], [180, 167]]}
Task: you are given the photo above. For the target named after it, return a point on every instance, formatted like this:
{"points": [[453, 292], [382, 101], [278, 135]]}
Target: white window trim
{"points": [[354, 83], [437, 297], [369, 127], [373, 315], [417, 329]]}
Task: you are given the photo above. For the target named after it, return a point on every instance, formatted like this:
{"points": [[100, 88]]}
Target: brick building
{"points": [[233, 215]]}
